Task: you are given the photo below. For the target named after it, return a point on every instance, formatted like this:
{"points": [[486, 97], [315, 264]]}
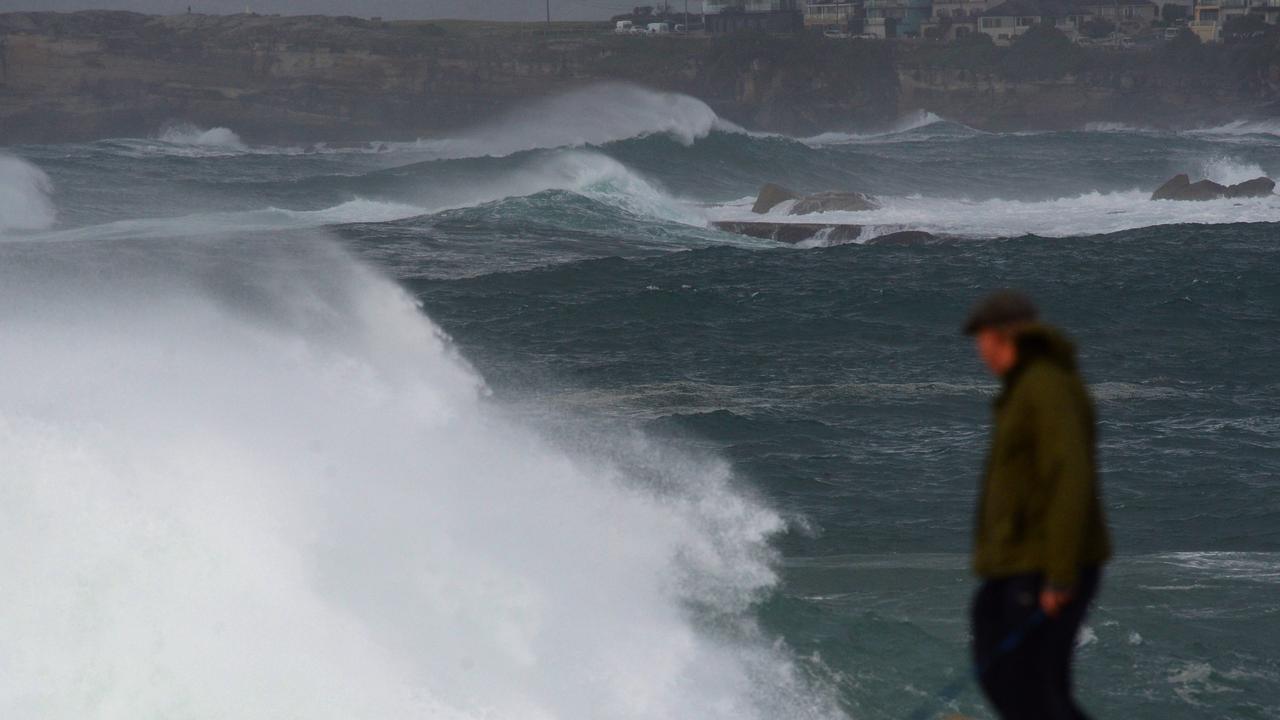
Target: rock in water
{"points": [[1257, 187], [1181, 188], [770, 197], [833, 202], [1171, 189], [1204, 190]]}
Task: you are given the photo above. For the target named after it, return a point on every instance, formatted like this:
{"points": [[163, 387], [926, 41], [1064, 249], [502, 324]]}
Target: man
{"points": [[1041, 535]]}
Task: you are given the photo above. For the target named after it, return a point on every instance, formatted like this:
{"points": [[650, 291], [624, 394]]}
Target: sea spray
{"points": [[25, 196], [594, 115], [249, 479], [905, 126], [1230, 170]]}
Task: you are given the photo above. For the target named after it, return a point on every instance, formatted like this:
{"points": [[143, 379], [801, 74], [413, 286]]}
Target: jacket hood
{"points": [[1042, 342]]}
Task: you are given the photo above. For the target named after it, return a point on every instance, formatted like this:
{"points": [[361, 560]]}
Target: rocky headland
{"points": [[101, 74]]}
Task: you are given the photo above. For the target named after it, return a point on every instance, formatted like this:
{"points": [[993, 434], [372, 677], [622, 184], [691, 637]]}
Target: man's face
{"points": [[997, 350]]}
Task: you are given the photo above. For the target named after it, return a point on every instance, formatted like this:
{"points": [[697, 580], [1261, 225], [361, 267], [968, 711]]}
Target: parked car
{"points": [[624, 27], [659, 28]]}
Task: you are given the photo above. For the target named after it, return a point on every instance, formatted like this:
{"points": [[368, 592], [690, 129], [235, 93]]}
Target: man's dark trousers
{"points": [[1033, 680]]}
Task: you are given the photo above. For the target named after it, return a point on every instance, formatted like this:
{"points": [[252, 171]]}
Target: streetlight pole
{"points": [[548, 14]]}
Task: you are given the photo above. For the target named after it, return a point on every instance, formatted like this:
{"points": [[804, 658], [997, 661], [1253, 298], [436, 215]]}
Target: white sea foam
{"points": [[255, 482], [218, 138], [359, 210], [25, 196], [1229, 170], [1116, 127], [1244, 127], [1088, 214]]}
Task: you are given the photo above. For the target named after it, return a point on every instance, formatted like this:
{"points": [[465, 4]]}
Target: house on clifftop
{"points": [[896, 18], [1005, 22], [773, 16], [954, 19]]}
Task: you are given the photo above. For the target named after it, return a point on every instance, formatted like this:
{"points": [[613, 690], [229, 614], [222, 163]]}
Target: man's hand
{"points": [[1052, 600]]}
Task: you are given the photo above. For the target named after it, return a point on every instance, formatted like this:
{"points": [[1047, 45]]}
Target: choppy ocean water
{"points": [[499, 426]]}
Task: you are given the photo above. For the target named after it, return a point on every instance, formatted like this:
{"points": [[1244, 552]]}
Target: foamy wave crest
{"points": [[205, 225], [1116, 127], [1088, 214], [218, 138], [604, 179], [1230, 171], [587, 173], [906, 124], [594, 115], [251, 480], [1244, 127], [25, 196]]}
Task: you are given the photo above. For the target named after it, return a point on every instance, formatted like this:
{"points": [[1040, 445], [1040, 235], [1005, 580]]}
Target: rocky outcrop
{"points": [[831, 234], [772, 196], [1257, 187], [833, 202], [1180, 187]]}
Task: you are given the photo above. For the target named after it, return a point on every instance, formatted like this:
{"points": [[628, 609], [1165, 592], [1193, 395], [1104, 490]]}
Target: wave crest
{"points": [[253, 477], [1244, 127], [905, 125], [592, 116], [25, 196], [218, 138]]}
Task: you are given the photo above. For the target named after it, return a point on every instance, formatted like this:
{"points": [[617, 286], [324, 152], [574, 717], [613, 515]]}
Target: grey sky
{"points": [[390, 9]]}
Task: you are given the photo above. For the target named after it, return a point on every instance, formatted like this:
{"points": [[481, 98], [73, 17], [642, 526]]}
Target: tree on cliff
{"points": [[1042, 53], [1097, 28]]}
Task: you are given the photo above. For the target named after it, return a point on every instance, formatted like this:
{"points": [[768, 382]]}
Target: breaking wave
{"points": [[429, 188], [249, 478], [25, 196], [1229, 171], [1089, 214], [1244, 127], [906, 125], [592, 116], [218, 138]]}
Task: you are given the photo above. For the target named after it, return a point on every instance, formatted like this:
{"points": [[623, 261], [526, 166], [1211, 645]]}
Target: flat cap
{"points": [[999, 309]]}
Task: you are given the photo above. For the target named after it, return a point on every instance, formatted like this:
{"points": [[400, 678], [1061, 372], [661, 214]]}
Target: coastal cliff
{"points": [[101, 74]]}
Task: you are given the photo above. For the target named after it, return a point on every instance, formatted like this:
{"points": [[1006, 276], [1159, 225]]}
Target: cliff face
{"points": [[103, 74], [1149, 96]]}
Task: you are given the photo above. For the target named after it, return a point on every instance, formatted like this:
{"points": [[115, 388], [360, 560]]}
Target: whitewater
{"points": [[262, 484], [498, 425]]}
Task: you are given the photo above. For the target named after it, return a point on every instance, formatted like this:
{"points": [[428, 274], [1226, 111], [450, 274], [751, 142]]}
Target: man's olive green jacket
{"points": [[1040, 510]]}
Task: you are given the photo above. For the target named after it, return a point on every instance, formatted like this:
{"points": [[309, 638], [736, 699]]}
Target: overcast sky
{"points": [[389, 9]]}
